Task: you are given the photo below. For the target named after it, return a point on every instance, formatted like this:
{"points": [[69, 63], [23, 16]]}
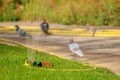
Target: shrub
{"points": [[94, 12]]}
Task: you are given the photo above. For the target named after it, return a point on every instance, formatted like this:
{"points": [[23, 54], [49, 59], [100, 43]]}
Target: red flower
{"points": [[110, 12], [52, 3], [17, 5], [102, 7], [117, 1]]}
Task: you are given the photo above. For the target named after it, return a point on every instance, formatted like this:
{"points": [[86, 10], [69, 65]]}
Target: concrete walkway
{"points": [[100, 51]]}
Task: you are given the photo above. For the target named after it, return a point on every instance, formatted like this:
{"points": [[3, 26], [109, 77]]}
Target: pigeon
{"points": [[45, 27], [92, 30], [74, 48], [21, 32]]}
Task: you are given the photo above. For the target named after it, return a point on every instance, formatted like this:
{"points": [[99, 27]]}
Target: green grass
{"points": [[12, 67]]}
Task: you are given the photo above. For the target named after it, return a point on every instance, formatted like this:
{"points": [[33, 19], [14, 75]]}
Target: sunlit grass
{"points": [[12, 67], [63, 32]]}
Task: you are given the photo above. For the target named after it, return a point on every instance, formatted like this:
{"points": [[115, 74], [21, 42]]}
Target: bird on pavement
{"points": [[21, 32], [45, 27]]}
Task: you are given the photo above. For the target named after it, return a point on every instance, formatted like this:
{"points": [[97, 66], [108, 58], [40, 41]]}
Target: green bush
{"points": [[9, 13]]}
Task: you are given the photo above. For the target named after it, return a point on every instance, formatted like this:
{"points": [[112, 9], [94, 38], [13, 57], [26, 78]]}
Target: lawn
{"points": [[12, 67], [62, 31]]}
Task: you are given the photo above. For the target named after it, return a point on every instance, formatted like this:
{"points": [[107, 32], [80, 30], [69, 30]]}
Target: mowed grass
{"points": [[12, 67], [63, 32]]}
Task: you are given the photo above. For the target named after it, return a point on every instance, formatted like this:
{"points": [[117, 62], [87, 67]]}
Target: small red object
{"points": [[46, 64]]}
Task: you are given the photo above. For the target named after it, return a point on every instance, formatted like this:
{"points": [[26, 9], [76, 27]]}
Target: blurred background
{"points": [[80, 12]]}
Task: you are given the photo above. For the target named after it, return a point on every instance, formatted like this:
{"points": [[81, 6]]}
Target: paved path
{"points": [[100, 51]]}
